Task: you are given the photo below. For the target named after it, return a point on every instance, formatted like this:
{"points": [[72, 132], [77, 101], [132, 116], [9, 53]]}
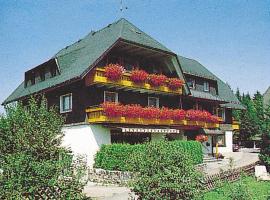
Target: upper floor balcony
{"points": [[135, 114], [136, 80]]}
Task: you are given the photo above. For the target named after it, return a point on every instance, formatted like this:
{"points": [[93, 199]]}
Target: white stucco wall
{"points": [[86, 139], [229, 143]]}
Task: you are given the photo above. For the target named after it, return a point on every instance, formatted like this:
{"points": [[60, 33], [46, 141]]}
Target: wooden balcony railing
{"points": [[235, 125], [96, 115], [98, 77]]}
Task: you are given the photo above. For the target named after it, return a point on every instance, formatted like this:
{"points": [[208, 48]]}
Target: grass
{"points": [[258, 190]]}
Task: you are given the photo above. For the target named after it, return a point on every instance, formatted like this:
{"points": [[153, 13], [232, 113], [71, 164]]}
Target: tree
{"points": [[248, 119], [265, 148], [32, 158]]}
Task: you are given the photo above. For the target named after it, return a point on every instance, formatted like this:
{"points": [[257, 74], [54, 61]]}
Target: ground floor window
{"points": [[129, 138], [220, 139]]}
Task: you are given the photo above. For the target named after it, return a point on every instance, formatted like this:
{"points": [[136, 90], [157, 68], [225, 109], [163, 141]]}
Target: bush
{"points": [[164, 172], [32, 158], [118, 156]]}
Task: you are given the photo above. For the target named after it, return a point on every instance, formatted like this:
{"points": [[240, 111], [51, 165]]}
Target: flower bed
{"points": [[112, 109]]}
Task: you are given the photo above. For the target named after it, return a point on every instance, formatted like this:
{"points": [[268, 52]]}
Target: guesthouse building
{"points": [[119, 85]]}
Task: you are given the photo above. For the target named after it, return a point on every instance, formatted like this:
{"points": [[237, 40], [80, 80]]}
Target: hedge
{"points": [[118, 156]]}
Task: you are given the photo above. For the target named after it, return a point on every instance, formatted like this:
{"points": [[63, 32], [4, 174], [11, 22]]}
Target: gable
{"points": [[76, 60], [225, 93]]}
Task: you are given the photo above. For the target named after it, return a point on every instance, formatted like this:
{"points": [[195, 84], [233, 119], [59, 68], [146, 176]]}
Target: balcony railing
{"points": [[96, 115], [235, 125], [98, 77]]}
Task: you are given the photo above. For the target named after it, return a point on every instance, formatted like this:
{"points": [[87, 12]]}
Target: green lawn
{"points": [[259, 190]]}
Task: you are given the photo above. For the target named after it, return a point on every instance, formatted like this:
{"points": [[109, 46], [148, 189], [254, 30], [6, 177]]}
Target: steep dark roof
{"points": [[225, 93], [266, 97], [75, 60]]}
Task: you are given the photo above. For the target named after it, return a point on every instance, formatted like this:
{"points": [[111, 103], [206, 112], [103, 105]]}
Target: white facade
{"points": [[86, 139], [229, 143]]}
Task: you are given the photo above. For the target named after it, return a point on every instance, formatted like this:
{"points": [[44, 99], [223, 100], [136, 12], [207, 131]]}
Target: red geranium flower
{"points": [[132, 111], [114, 72], [174, 83], [112, 109], [150, 113], [156, 80], [138, 76], [179, 114], [201, 138], [166, 113]]}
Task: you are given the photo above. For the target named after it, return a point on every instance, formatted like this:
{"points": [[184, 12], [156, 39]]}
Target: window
{"points": [[206, 86], [191, 83], [220, 139], [66, 103], [221, 113], [153, 101], [53, 71], [110, 96]]}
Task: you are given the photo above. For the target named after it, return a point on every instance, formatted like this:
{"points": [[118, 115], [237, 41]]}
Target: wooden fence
{"points": [[212, 181]]}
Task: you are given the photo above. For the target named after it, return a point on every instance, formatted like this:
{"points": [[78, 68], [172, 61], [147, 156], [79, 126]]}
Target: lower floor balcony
{"points": [[100, 114], [235, 125]]}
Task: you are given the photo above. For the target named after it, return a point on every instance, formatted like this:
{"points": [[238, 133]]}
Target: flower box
{"points": [[138, 76], [114, 72], [174, 83], [156, 80]]}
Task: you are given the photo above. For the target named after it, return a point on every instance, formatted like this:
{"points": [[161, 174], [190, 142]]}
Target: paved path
{"points": [[100, 192], [242, 158]]}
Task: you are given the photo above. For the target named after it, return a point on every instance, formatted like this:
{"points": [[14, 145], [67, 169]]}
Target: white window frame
{"points": [[157, 99], [206, 86], [116, 95], [223, 115], [61, 103]]}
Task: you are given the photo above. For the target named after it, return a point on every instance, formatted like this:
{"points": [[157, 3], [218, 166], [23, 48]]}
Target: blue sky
{"points": [[231, 38]]}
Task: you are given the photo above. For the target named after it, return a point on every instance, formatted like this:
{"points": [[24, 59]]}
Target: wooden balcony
{"points": [[96, 115], [98, 77], [235, 125]]}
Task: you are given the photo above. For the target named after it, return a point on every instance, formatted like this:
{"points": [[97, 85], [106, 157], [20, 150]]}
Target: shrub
{"points": [[157, 80], [32, 158], [114, 72], [118, 156], [139, 76], [164, 172]]}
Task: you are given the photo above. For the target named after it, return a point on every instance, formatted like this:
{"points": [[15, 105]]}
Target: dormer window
{"points": [[206, 86]]}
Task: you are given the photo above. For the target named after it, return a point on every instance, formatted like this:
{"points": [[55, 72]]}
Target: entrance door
{"points": [[207, 146]]}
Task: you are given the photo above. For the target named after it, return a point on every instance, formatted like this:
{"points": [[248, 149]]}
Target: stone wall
{"points": [[109, 177]]}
